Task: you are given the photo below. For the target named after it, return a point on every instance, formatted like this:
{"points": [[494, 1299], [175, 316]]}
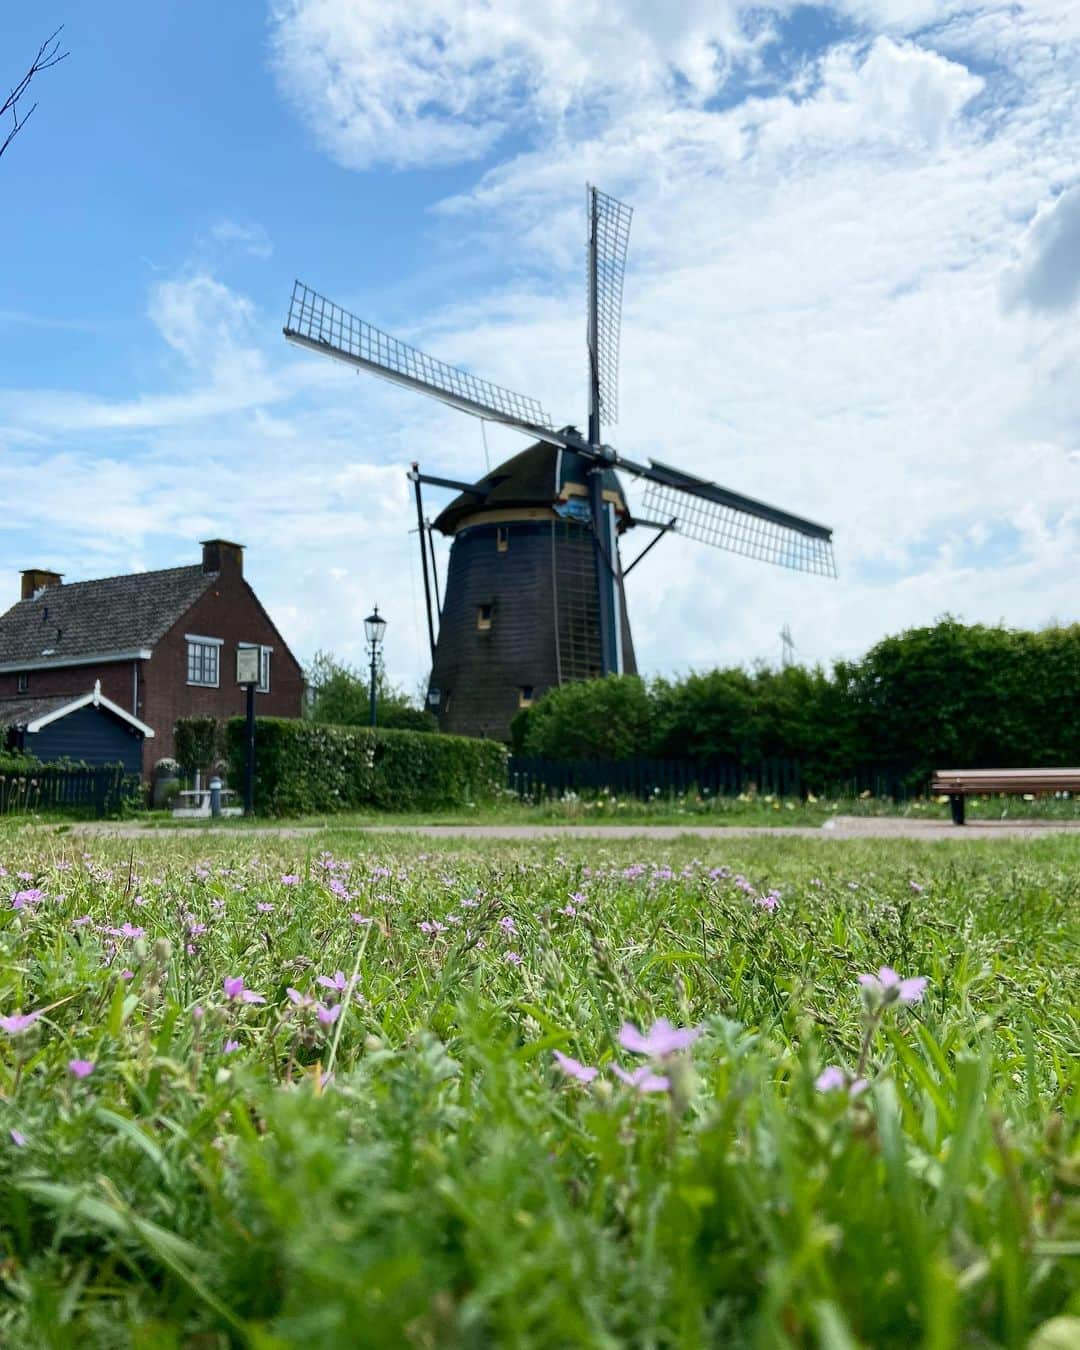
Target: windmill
{"points": [[534, 594]]}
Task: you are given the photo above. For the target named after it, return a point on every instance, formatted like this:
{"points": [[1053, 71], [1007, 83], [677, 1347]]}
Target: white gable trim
{"points": [[91, 659], [98, 699]]}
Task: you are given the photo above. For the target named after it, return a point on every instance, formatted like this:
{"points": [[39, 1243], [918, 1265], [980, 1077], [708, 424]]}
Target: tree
{"points": [[341, 696], [49, 55], [597, 719]]}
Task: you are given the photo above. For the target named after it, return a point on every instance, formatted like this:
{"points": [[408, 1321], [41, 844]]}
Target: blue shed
{"points": [[88, 728]]}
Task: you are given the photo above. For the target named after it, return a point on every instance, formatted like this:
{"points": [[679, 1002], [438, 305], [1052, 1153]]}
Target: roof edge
{"points": [[90, 659], [98, 699]]}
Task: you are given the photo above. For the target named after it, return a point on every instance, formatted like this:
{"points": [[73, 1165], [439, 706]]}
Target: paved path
{"points": [[842, 827]]}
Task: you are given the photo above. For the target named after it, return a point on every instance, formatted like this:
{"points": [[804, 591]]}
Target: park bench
{"points": [[961, 783], [196, 804]]}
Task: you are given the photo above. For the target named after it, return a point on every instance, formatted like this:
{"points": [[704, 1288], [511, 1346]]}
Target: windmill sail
{"points": [[320, 325], [728, 520], [609, 236]]}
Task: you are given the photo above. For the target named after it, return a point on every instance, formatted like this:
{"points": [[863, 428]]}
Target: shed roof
{"points": [[32, 714], [96, 618]]}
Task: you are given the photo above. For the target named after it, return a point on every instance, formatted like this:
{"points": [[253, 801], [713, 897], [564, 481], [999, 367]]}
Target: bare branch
{"points": [[49, 55]]}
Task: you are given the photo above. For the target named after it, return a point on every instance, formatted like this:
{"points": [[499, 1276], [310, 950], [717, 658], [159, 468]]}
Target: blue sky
{"points": [[854, 270]]}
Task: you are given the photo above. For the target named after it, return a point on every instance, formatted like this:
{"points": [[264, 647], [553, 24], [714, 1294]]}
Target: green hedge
{"points": [[303, 767]]}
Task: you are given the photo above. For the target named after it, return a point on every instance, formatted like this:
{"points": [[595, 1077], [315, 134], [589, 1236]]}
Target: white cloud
{"points": [[250, 238], [1048, 275]]}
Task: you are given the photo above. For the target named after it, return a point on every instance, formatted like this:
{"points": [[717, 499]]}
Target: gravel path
{"points": [[841, 827]]}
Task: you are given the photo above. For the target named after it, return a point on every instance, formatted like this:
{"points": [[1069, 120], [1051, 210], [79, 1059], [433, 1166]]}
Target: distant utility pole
{"points": [[49, 55], [787, 650]]}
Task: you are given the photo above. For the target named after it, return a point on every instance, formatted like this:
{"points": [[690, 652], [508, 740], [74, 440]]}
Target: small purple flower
{"points": [[642, 1078], [82, 921], [584, 1073], [298, 999], [831, 1079], [887, 987], [197, 1013], [18, 1138], [17, 1023], [336, 981], [507, 924], [130, 930], [264, 908], [661, 1040], [230, 1047], [835, 1079], [81, 1068], [196, 929], [916, 887], [512, 958], [290, 879], [234, 990], [361, 919], [24, 899], [127, 974], [328, 1016]]}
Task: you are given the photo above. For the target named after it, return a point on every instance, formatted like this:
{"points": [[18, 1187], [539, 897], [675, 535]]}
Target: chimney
{"points": [[35, 579], [219, 555]]}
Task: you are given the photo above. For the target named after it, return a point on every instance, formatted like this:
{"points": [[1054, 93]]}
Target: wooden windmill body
{"points": [[535, 594]]}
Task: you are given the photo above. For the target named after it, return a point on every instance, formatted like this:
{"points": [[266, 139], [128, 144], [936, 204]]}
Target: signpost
{"points": [[247, 674]]}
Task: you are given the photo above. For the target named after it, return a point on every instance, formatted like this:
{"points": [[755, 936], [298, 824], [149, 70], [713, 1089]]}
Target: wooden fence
{"points": [[533, 778], [51, 787]]}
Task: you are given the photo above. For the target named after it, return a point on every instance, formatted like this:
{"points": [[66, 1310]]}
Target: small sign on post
{"points": [[247, 674]]}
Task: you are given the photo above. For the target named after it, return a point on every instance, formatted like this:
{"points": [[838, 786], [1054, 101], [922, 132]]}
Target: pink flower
{"points": [[298, 999], [887, 987], [573, 1068], [18, 1138], [81, 1068], [264, 908], [336, 981], [290, 879], [328, 1016], [230, 1047], [661, 1040], [360, 919], [234, 989], [835, 1079], [507, 924], [127, 974], [17, 1023], [512, 958], [643, 1078]]}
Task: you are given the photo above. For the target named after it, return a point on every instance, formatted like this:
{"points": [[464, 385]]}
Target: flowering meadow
{"points": [[774, 1093]]}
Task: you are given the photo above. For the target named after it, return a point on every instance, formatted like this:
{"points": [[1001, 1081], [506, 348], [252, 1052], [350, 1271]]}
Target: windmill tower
{"points": [[534, 595]]}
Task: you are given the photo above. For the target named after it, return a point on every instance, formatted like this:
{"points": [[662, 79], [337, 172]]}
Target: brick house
{"points": [[162, 645]]}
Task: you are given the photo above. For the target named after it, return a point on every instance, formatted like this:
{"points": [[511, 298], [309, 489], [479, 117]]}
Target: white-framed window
{"points": [[22, 683], [204, 660], [263, 687]]}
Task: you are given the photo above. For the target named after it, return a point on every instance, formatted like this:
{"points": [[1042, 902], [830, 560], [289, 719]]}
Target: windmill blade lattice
{"points": [[742, 531], [318, 323], [612, 239]]}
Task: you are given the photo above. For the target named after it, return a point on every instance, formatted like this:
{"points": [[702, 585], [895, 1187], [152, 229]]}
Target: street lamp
{"points": [[374, 630]]}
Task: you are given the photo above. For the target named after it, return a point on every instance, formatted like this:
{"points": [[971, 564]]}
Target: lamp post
{"points": [[374, 630]]}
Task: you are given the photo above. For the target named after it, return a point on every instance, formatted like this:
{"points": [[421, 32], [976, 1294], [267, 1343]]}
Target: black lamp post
{"points": [[374, 630]]}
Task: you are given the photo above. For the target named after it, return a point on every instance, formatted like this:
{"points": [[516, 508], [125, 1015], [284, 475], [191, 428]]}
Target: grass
{"points": [[604, 809], [415, 1170]]}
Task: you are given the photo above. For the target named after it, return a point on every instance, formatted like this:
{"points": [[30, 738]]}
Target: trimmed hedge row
{"points": [[303, 767]]}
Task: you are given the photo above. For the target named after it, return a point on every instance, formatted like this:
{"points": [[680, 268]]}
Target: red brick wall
{"points": [[228, 610], [116, 682]]}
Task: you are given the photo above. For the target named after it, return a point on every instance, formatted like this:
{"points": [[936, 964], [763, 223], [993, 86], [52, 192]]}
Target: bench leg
{"points": [[956, 805]]}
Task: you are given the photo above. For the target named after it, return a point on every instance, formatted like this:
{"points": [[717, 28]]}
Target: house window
{"points": [[483, 617], [525, 696], [22, 683], [203, 660], [263, 687], [502, 538], [446, 701]]}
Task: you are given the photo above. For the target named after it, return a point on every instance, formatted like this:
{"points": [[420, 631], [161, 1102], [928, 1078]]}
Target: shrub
{"points": [[597, 719], [198, 742], [303, 767]]}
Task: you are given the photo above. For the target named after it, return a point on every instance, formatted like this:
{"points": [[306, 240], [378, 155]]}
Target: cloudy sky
{"points": [[853, 290]]}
